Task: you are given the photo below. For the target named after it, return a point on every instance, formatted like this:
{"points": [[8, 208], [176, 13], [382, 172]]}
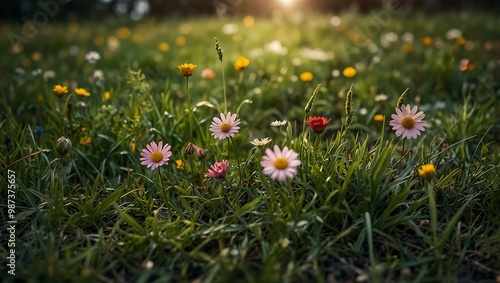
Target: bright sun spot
{"points": [[286, 2]]}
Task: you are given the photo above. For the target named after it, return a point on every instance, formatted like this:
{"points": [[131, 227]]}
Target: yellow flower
{"points": [[85, 140], [187, 69], [241, 63], [82, 92], [137, 38], [426, 41], [132, 146], [107, 95], [461, 41], [407, 48], [378, 118], [180, 41], [427, 171], [36, 56], [180, 164], [123, 32], [248, 21], [349, 72], [163, 46], [60, 90], [306, 76]]}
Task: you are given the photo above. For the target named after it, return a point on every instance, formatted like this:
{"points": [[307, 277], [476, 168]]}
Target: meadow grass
{"points": [[357, 208]]}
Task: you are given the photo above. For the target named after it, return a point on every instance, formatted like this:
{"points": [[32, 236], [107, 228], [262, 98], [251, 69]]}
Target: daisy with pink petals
{"points": [[407, 122], [218, 170], [155, 155], [280, 164], [225, 126]]}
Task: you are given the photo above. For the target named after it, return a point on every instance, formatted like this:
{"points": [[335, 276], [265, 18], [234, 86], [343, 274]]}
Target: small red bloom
{"points": [[318, 124]]}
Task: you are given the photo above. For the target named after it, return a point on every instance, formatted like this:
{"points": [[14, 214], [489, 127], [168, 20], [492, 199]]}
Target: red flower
{"points": [[318, 124]]}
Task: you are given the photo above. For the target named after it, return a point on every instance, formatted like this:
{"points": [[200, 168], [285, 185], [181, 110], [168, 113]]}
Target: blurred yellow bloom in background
{"points": [[378, 117], [163, 46], [85, 140], [349, 72], [426, 40], [60, 90], [241, 63], [82, 92], [306, 76]]}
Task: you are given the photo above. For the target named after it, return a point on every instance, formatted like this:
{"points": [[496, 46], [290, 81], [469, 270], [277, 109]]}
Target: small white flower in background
{"points": [[407, 37], [98, 74], [49, 74], [380, 97], [279, 123], [276, 47], [36, 72], [260, 142], [92, 57], [453, 34]]}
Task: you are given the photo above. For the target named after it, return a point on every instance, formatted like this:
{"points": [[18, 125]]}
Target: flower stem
{"points": [[224, 86], [432, 212], [60, 194], [302, 140], [191, 166], [317, 143], [237, 161], [163, 187], [403, 149], [189, 110]]}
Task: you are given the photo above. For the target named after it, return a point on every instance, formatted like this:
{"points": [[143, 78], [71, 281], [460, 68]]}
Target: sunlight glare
{"points": [[287, 2]]}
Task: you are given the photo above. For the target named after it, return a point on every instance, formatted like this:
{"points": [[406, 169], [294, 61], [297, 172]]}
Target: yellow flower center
{"points": [[408, 122], [156, 156], [280, 163], [225, 127]]}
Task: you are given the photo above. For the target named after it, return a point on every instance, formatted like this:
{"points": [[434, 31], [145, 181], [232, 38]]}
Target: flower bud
{"points": [[63, 145], [200, 153], [192, 148]]}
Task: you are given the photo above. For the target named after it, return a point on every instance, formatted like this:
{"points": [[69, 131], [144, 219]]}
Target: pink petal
{"points": [[413, 111]]}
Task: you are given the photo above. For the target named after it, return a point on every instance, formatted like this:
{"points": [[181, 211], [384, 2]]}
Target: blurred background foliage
{"points": [[22, 10]]}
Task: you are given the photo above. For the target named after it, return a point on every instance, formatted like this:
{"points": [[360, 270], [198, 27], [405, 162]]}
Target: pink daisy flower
{"points": [[218, 170], [225, 126], [407, 122], [155, 155], [280, 164]]}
